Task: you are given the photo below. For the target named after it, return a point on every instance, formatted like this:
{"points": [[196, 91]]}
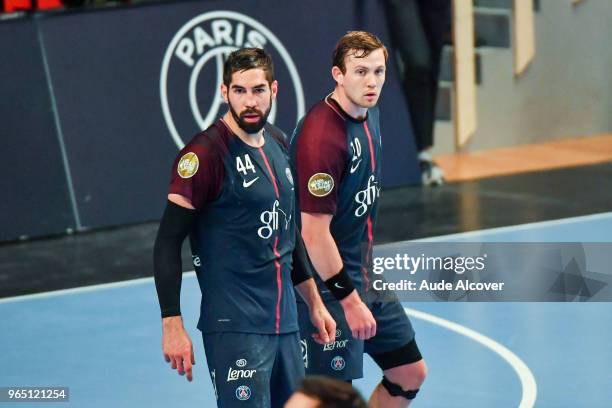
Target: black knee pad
{"points": [[397, 391]]}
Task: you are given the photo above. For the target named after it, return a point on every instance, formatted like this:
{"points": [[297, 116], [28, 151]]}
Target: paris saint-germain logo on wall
{"points": [[192, 71]]}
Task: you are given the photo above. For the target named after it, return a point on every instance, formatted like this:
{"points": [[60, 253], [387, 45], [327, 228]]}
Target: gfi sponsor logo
{"points": [[269, 219], [338, 363], [366, 197], [243, 393], [320, 184], [192, 71]]}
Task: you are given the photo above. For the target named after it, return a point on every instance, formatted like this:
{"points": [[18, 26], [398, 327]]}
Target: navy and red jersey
{"points": [[244, 233], [336, 162]]}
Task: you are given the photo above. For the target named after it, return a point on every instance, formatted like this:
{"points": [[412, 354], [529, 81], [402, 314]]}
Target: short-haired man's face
{"points": [[250, 97], [364, 78]]}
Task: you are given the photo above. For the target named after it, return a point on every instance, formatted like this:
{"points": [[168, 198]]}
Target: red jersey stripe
{"points": [[278, 284], [367, 130], [269, 171], [366, 280]]}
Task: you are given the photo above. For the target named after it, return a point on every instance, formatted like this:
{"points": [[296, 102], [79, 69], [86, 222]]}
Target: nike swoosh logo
{"points": [[247, 184], [353, 168], [338, 286]]}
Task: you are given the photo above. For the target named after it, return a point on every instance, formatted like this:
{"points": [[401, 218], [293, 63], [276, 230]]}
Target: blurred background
{"points": [[98, 96]]}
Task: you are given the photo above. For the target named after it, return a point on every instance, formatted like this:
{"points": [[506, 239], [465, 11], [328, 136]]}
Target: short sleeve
{"points": [[197, 174], [320, 161]]}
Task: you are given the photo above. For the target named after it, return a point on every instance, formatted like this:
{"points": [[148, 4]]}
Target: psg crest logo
{"points": [[337, 363], [192, 71], [243, 393]]}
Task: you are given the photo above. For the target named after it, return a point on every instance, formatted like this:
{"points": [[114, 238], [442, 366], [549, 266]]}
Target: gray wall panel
{"points": [[35, 199]]}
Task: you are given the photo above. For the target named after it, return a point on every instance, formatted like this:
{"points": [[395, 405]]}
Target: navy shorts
{"points": [[253, 370], [343, 359]]}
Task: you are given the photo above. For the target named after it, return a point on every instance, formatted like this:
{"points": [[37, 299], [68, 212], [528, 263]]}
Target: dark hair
{"points": [[357, 43], [331, 393], [244, 59]]}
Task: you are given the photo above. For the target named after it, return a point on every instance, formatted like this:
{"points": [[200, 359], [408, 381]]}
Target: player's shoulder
{"points": [[210, 143], [277, 134], [324, 110], [323, 121]]}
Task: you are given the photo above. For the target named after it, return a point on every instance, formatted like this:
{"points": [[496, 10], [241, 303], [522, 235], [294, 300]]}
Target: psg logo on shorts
{"points": [[338, 363], [192, 71], [243, 393]]}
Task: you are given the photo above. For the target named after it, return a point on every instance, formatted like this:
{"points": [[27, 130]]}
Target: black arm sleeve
{"points": [[302, 268], [175, 225]]}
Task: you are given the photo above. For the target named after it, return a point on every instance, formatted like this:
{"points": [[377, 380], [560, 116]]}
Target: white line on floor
{"points": [[511, 228], [528, 383], [83, 289]]}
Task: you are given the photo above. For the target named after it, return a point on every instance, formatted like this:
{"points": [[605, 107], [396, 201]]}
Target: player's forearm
{"points": [[323, 252], [172, 323], [174, 227], [301, 270], [328, 264], [167, 273], [309, 293]]}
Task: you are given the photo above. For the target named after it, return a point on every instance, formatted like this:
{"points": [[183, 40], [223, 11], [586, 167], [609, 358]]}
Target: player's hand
{"points": [[324, 323], [358, 316], [177, 346]]}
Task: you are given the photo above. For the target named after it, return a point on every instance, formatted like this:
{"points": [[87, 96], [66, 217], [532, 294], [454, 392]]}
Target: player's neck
{"points": [[253, 140], [353, 110]]}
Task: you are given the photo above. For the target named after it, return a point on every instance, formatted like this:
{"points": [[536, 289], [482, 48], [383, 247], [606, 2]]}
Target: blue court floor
{"points": [[104, 343]]}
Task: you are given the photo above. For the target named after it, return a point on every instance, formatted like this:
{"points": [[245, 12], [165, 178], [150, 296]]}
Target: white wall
{"points": [[566, 92]]}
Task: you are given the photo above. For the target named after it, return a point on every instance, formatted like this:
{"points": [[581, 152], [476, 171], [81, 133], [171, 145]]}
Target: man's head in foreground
{"points": [[324, 392]]}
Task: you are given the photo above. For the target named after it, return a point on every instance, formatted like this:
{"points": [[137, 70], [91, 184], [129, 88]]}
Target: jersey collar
{"points": [[335, 106]]}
